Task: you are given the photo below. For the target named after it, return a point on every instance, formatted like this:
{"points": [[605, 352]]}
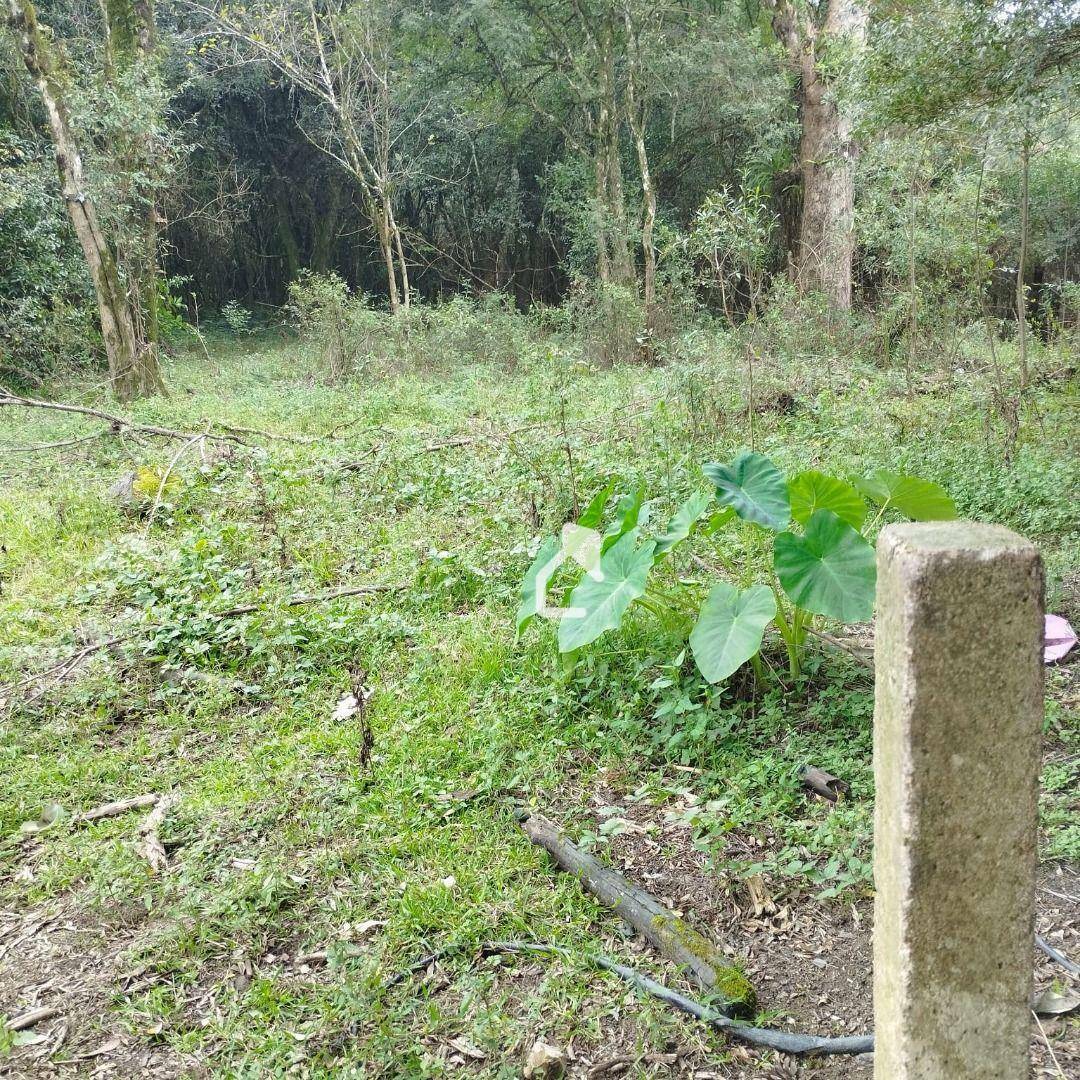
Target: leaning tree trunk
{"points": [[114, 312], [826, 149]]}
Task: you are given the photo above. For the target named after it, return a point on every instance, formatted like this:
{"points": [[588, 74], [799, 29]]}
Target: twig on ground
{"points": [[168, 472], [299, 599], [851, 650], [54, 445], [1050, 1049], [31, 1017], [150, 846], [656, 923], [121, 806], [785, 1042], [118, 424], [1064, 961]]}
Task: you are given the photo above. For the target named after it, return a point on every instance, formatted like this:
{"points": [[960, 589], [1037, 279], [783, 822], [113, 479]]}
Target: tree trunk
{"points": [[1021, 269], [132, 38], [290, 246], [635, 109], [128, 376], [826, 148], [380, 214], [622, 271], [325, 233]]}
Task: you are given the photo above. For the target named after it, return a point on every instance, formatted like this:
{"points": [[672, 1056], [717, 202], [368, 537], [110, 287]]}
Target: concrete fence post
{"points": [[957, 725]]}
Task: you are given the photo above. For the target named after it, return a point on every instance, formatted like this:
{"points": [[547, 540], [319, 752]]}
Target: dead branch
{"points": [[787, 1042], [656, 923], [858, 656], [150, 846], [121, 806], [31, 1017], [1064, 961], [299, 599], [117, 424], [55, 445]]}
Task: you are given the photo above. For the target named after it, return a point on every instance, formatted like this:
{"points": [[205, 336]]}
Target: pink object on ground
{"points": [[1060, 638]]}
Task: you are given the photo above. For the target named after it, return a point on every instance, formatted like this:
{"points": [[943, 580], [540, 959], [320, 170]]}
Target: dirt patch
{"points": [[62, 958]]}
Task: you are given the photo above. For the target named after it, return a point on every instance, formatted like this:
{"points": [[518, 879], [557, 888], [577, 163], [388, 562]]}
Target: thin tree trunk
{"points": [[1021, 269], [913, 315], [381, 216], [603, 256], [399, 251], [129, 379], [132, 39], [636, 113]]}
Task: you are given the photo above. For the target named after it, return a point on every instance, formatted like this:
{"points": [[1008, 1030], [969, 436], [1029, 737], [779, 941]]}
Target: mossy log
{"points": [[660, 926]]}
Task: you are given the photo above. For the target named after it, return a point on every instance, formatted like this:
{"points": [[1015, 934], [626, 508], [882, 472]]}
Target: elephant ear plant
{"points": [[809, 534]]}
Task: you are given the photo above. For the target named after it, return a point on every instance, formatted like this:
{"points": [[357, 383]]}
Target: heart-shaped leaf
{"points": [[753, 486], [920, 500], [830, 570], [599, 603], [593, 514], [682, 524], [730, 627], [631, 512], [529, 605], [812, 490]]}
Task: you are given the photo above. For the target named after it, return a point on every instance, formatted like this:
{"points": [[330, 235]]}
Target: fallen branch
{"points": [[121, 806], [660, 926], [31, 1017], [853, 651], [299, 599], [117, 423], [226, 433], [169, 471], [1064, 961], [150, 846], [786, 1042], [55, 445]]}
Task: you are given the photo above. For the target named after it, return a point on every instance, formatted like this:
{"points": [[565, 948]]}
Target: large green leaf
{"points": [[754, 487], [682, 524], [829, 570], [631, 512], [730, 627], [812, 490], [920, 500], [593, 514], [601, 604], [528, 608]]}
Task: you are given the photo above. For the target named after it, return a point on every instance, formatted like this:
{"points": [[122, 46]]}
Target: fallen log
{"points": [[660, 926]]}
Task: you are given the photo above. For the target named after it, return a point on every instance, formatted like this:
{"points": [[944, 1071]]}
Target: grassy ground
{"points": [[377, 837]]}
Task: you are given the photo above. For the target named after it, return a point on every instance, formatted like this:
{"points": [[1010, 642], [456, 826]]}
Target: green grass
{"points": [[282, 839]]}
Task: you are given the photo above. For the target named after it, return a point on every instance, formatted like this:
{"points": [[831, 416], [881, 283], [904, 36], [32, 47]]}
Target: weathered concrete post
{"points": [[957, 724]]}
